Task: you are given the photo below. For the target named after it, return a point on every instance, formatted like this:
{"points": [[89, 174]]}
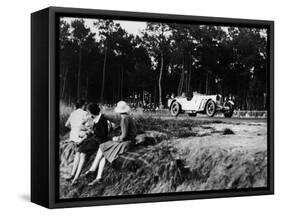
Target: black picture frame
{"points": [[44, 107]]}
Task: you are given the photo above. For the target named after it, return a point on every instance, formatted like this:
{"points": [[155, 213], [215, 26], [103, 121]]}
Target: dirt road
{"points": [[206, 118]]}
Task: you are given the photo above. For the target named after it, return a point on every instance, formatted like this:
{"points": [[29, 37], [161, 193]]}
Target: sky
{"points": [[132, 27]]}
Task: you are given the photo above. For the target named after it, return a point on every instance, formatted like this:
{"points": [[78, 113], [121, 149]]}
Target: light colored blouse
{"points": [[76, 121]]}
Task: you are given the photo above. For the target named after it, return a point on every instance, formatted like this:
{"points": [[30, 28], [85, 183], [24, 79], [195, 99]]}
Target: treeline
{"points": [[110, 64]]}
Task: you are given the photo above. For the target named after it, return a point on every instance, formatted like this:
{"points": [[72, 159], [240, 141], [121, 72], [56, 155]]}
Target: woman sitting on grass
{"points": [[90, 144], [76, 121], [112, 149]]}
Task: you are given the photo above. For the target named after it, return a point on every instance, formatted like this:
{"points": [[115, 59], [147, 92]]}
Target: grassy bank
{"points": [[162, 169], [190, 155]]}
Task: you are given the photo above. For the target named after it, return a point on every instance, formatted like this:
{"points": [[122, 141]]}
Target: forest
{"points": [[110, 64]]}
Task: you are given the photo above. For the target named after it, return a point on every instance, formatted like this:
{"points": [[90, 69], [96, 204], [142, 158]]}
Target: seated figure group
{"points": [[90, 133]]}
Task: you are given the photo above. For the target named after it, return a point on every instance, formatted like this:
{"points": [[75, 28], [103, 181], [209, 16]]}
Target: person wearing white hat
{"points": [[122, 107], [112, 149]]}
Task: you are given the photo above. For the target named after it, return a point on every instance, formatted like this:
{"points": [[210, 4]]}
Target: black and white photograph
{"points": [[161, 107], [124, 107]]}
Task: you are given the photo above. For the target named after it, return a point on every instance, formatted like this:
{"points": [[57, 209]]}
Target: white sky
{"points": [[132, 27]]}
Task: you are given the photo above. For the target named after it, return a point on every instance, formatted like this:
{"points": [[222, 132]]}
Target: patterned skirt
{"points": [[67, 152], [111, 150]]}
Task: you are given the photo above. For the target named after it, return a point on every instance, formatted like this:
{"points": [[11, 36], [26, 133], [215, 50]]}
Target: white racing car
{"points": [[199, 103]]}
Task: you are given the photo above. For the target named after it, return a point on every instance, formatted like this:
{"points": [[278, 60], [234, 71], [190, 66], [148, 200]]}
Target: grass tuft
{"points": [[227, 131]]}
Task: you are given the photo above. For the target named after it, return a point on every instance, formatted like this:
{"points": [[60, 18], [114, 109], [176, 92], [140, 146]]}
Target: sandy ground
{"points": [[236, 160], [247, 136]]}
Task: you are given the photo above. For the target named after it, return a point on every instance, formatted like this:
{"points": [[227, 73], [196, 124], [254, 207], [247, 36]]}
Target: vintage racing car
{"points": [[200, 103]]}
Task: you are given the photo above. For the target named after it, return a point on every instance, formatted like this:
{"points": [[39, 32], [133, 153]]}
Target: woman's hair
{"points": [[79, 103], [94, 108]]}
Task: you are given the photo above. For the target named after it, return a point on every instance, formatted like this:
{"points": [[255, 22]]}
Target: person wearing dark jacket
{"points": [[98, 135], [110, 150]]}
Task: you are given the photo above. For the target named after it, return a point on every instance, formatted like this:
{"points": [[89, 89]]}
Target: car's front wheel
{"points": [[175, 109], [210, 108]]}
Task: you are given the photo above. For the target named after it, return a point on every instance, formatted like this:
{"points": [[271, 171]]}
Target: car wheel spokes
{"points": [[210, 108], [175, 109]]}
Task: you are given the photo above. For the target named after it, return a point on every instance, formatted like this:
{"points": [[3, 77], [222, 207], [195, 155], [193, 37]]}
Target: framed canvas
{"points": [[139, 107]]}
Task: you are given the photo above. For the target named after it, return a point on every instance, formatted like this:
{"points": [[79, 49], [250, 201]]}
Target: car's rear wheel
{"points": [[210, 108], [175, 109]]}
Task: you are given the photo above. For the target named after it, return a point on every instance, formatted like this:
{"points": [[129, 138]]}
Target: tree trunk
{"points": [[207, 80], [87, 85], [189, 78], [181, 83], [186, 81], [103, 75], [155, 91], [79, 72], [118, 78], [189, 74], [122, 76], [64, 82], [159, 81]]}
